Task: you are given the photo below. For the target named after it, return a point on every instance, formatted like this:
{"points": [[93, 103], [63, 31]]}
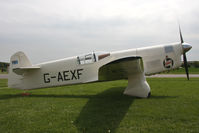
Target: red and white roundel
{"points": [[168, 62]]}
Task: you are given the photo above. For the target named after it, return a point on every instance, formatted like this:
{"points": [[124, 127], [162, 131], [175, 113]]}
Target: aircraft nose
{"points": [[186, 47]]}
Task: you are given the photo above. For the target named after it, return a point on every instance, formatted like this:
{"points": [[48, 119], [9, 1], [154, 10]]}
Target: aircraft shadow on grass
{"points": [[102, 113], [11, 96]]}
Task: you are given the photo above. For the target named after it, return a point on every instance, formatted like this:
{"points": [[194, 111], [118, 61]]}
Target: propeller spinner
{"points": [[186, 47]]}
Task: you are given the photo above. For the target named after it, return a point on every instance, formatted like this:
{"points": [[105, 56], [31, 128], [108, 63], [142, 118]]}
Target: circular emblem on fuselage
{"points": [[168, 62]]}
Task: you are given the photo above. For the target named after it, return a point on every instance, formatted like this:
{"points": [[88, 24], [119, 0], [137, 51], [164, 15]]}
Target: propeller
{"points": [[186, 47]]}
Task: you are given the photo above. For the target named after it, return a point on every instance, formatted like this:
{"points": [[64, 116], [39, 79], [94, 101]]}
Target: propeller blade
{"points": [[185, 49], [181, 38], [185, 65]]}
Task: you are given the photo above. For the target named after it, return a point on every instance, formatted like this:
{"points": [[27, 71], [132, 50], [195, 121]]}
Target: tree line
{"points": [[194, 64], [4, 66]]}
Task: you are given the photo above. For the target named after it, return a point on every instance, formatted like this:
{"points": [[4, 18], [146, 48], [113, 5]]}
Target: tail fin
{"points": [[17, 61]]}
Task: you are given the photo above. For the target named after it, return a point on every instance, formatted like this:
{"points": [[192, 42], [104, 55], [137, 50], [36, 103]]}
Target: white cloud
{"points": [[49, 29]]}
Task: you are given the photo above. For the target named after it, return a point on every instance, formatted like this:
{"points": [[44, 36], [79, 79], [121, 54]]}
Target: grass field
{"points": [[101, 108], [192, 70], [3, 72]]}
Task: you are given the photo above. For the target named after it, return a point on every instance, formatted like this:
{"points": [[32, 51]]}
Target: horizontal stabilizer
{"points": [[22, 70], [19, 64]]}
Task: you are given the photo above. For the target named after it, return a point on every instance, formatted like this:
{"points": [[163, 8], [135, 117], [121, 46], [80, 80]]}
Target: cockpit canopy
{"points": [[91, 57]]}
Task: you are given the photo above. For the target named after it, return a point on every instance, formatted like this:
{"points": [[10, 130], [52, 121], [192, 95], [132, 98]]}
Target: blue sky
{"points": [[48, 29]]}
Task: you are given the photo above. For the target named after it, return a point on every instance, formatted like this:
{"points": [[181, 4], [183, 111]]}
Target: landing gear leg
{"points": [[149, 95]]}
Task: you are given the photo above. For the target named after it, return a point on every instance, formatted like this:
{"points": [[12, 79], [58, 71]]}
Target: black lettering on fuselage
{"points": [[73, 74], [63, 76], [46, 80], [78, 72], [65, 73], [59, 77]]}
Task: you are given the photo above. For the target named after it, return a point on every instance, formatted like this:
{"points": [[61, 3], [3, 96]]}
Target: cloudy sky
{"points": [[53, 29]]}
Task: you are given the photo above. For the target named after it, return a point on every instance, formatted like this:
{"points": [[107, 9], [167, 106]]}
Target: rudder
{"points": [[17, 60]]}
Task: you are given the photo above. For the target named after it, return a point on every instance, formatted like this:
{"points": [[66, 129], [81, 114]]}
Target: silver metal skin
{"points": [[186, 47]]}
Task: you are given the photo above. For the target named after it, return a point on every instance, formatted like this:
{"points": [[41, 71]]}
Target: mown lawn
{"points": [[3, 72], [101, 108], [192, 70]]}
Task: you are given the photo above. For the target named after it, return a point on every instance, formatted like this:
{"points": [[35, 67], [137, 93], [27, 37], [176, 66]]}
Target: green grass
{"points": [[3, 72], [192, 70], [101, 108]]}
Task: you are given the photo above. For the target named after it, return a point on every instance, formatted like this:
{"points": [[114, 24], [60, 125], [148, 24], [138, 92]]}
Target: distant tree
{"points": [[4, 66], [196, 64], [188, 64]]}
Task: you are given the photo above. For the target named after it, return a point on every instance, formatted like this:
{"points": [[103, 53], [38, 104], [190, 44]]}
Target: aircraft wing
{"points": [[22, 70], [121, 68]]}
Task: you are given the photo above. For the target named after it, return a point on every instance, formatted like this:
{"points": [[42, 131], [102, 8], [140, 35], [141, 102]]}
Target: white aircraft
{"points": [[133, 64]]}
